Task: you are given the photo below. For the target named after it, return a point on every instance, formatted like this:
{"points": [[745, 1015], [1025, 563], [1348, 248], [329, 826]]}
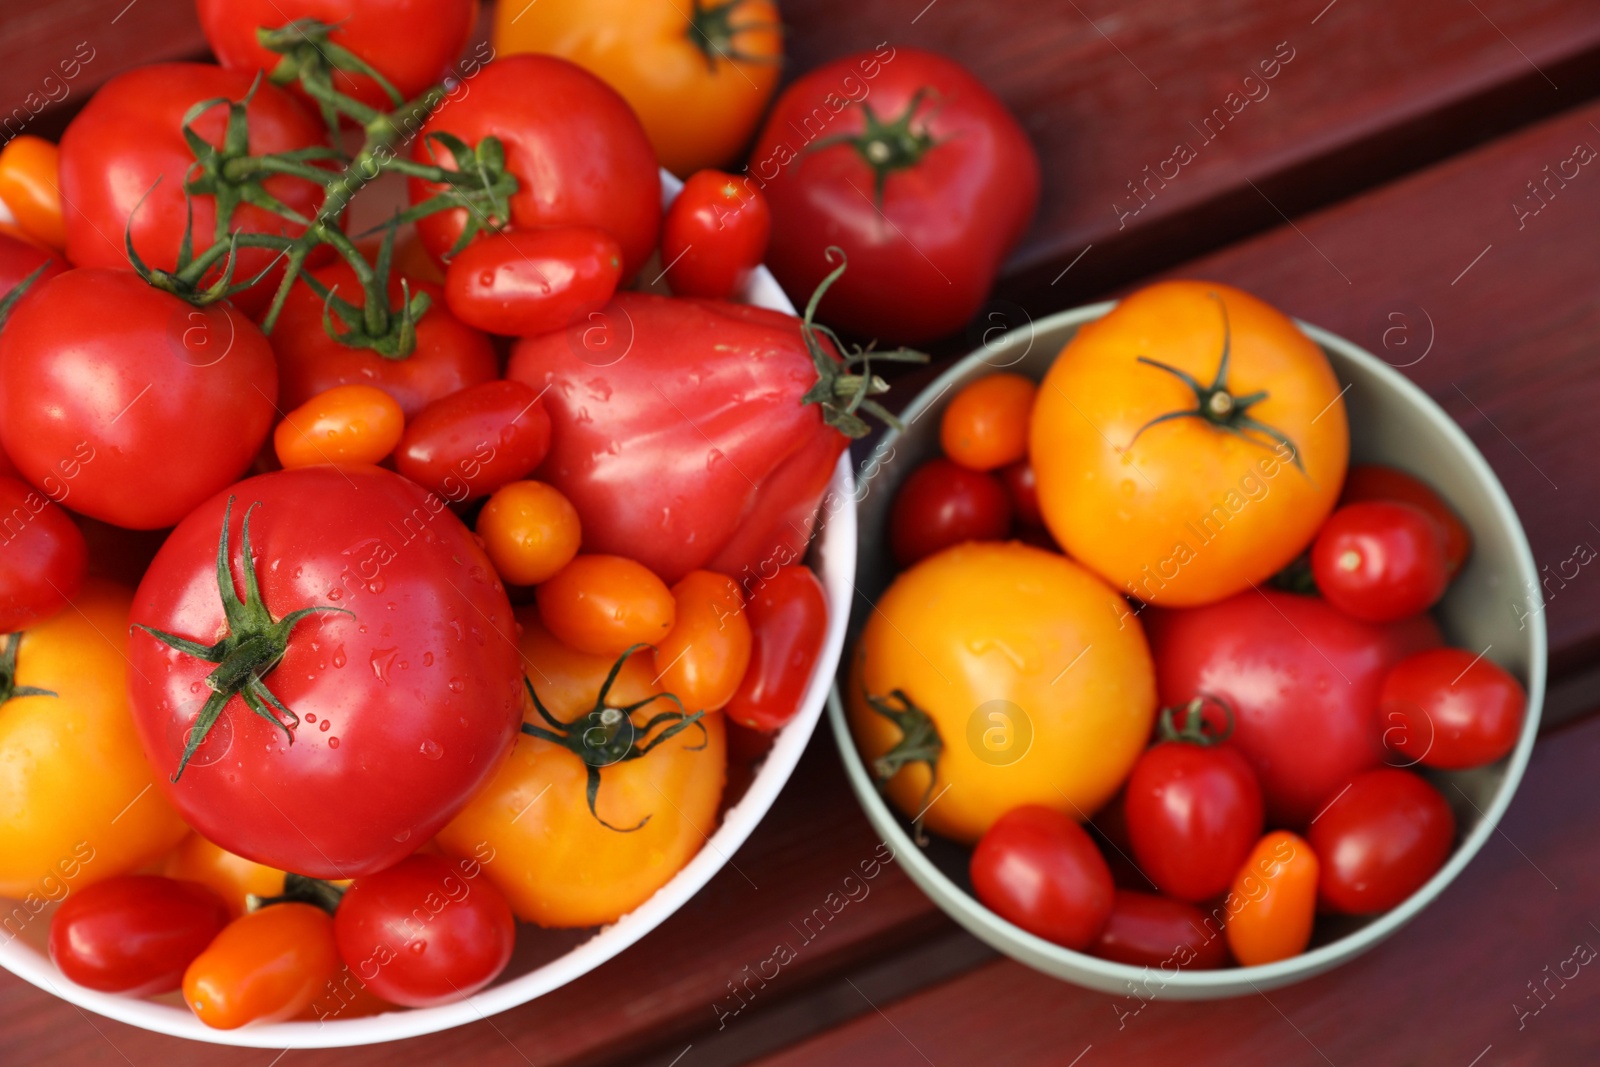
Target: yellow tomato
{"points": [[698, 73], [1189, 443], [1033, 675], [556, 862], [530, 531], [77, 800], [345, 424], [233, 878], [29, 169], [704, 657]]}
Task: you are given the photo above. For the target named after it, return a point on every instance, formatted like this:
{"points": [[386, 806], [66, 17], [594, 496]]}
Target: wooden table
{"points": [[1393, 186]]}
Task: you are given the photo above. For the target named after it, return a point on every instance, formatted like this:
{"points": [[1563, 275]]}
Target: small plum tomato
{"points": [[1380, 838], [135, 934], [1274, 900], [266, 967], [703, 658], [1039, 869], [345, 424], [522, 283], [788, 616], [604, 605], [942, 504], [470, 443], [1451, 709]]}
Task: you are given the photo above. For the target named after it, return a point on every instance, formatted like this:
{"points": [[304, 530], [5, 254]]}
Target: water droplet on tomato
{"points": [[432, 750], [418, 947], [382, 661], [339, 657], [311, 718], [323, 726], [403, 836], [335, 593], [1127, 487], [457, 685], [333, 742], [427, 659]]}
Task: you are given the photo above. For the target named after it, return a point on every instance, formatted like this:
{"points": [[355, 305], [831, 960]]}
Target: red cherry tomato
{"points": [[1151, 931], [1380, 560], [1369, 481], [523, 283], [788, 623], [1023, 489], [1450, 709], [135, 934], [1040, 870], [1379, 840], [714, 235], [43, 557], [471, 443], [944, 504], [425, 932], [1193, 809]]}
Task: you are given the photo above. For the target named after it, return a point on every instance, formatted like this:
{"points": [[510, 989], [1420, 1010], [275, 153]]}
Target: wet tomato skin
{"points": [[135, 934], [1379, 840], [1193, 814], [523, 283], [788, 625], [473, 442], [1452, 709], [1037, 868]]}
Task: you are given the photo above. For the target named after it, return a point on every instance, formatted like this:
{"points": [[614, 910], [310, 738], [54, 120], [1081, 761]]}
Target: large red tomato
{"points": [[352, 733]]}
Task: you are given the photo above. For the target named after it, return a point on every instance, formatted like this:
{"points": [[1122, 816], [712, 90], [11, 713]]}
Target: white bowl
{"points": [[1391, 421], [529, 976]]}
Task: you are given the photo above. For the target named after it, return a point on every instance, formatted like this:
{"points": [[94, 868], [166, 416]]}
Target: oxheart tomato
{"points": [[925, 184], [341, 688], [182, 397], [680, 435], [43, 557], [576, 149], [1147, 930], [1449, 708], [130, 136], [1188, 444], [1039, 869], [788, 615], [1302, 679], [136, 934], [526, 282], [1380, 838]]}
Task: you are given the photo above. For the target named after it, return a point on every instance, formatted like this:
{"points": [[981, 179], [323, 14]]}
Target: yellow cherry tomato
{"points": [[233, 878], [266, 967], [530, 531], [1012, 674], [29, 186], [557, 863], [345, 424], [698, 73], [1274, 900], [703, 659], [1189, 443], [986, 424], [77, 799], [602, 605]]}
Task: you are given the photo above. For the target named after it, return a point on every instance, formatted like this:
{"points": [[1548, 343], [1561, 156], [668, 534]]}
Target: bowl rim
{"points": [[1033, 950]]}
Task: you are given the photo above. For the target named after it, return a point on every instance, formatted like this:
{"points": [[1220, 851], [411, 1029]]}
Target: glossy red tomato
{"points": [[135, 934], [1302, 678], [1370, 481], [1040, 870], [1380, 560], [130, 135], [449, 355], [788, 624], [1451, 709], [1023, 488], [574, 145], [522, 283], [473, 442], [43, 557], [181, 397], [412, 43], [714, 235], [1147, 930], [424, 932], [1379, 840], [19, 258], [909, 164], [943, 504], [408, 663]]}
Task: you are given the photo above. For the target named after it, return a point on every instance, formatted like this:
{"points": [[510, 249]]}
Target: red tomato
{"points": [[1151, 931], [1302, 678], [416, 672], [412, 43], [943, 504], [471, 443], [449, 355], [575, 147], [181, 402], [1380, 560], [680, 433], [788, 625], [926, 184], [1370, 481], [527, 282], [1380, 838], [1040, 870], [424, 932], [19, 258], [43, 557], [1450, 709], [135, 934], [130, 135], [714, 235], [1023, 488]]}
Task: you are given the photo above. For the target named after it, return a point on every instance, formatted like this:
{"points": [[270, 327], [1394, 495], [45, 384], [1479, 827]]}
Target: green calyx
{"points": [[310, 58], [253, 645], [480, 184], [390, 331], [887, 146], [299, 889], [713, 31], [1190, 725], [606, 734], [919, 743], [9, 689]]}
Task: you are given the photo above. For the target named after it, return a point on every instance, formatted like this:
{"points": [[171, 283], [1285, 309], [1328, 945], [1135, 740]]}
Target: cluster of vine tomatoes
{"points": [[1167, 522]]}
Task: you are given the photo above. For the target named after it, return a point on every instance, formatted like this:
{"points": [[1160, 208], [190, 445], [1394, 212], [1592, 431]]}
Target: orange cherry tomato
{"points": [[603, 605], [986, 424], [233, 878], [29, 187], [264, 968], [530, 531], [704, 658], [345, 424], [1274, 900]]}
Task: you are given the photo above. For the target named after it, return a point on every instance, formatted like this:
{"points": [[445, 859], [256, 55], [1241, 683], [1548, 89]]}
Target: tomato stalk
{"points": [[1190, 725], [16, 292], [299, 889], [713, 31], [310, 57], [391, 332], [886, 146], [9, 689], [919, 743]]}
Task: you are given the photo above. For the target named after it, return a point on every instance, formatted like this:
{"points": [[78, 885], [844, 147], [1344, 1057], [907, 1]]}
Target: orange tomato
{"points": [[345, 424], [233, 878], [530, 531], [603, 605], [266, 967], [1189, 443], [29, 186], [1274, 900], [703, 659], [985, 425], [698, 73]]}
